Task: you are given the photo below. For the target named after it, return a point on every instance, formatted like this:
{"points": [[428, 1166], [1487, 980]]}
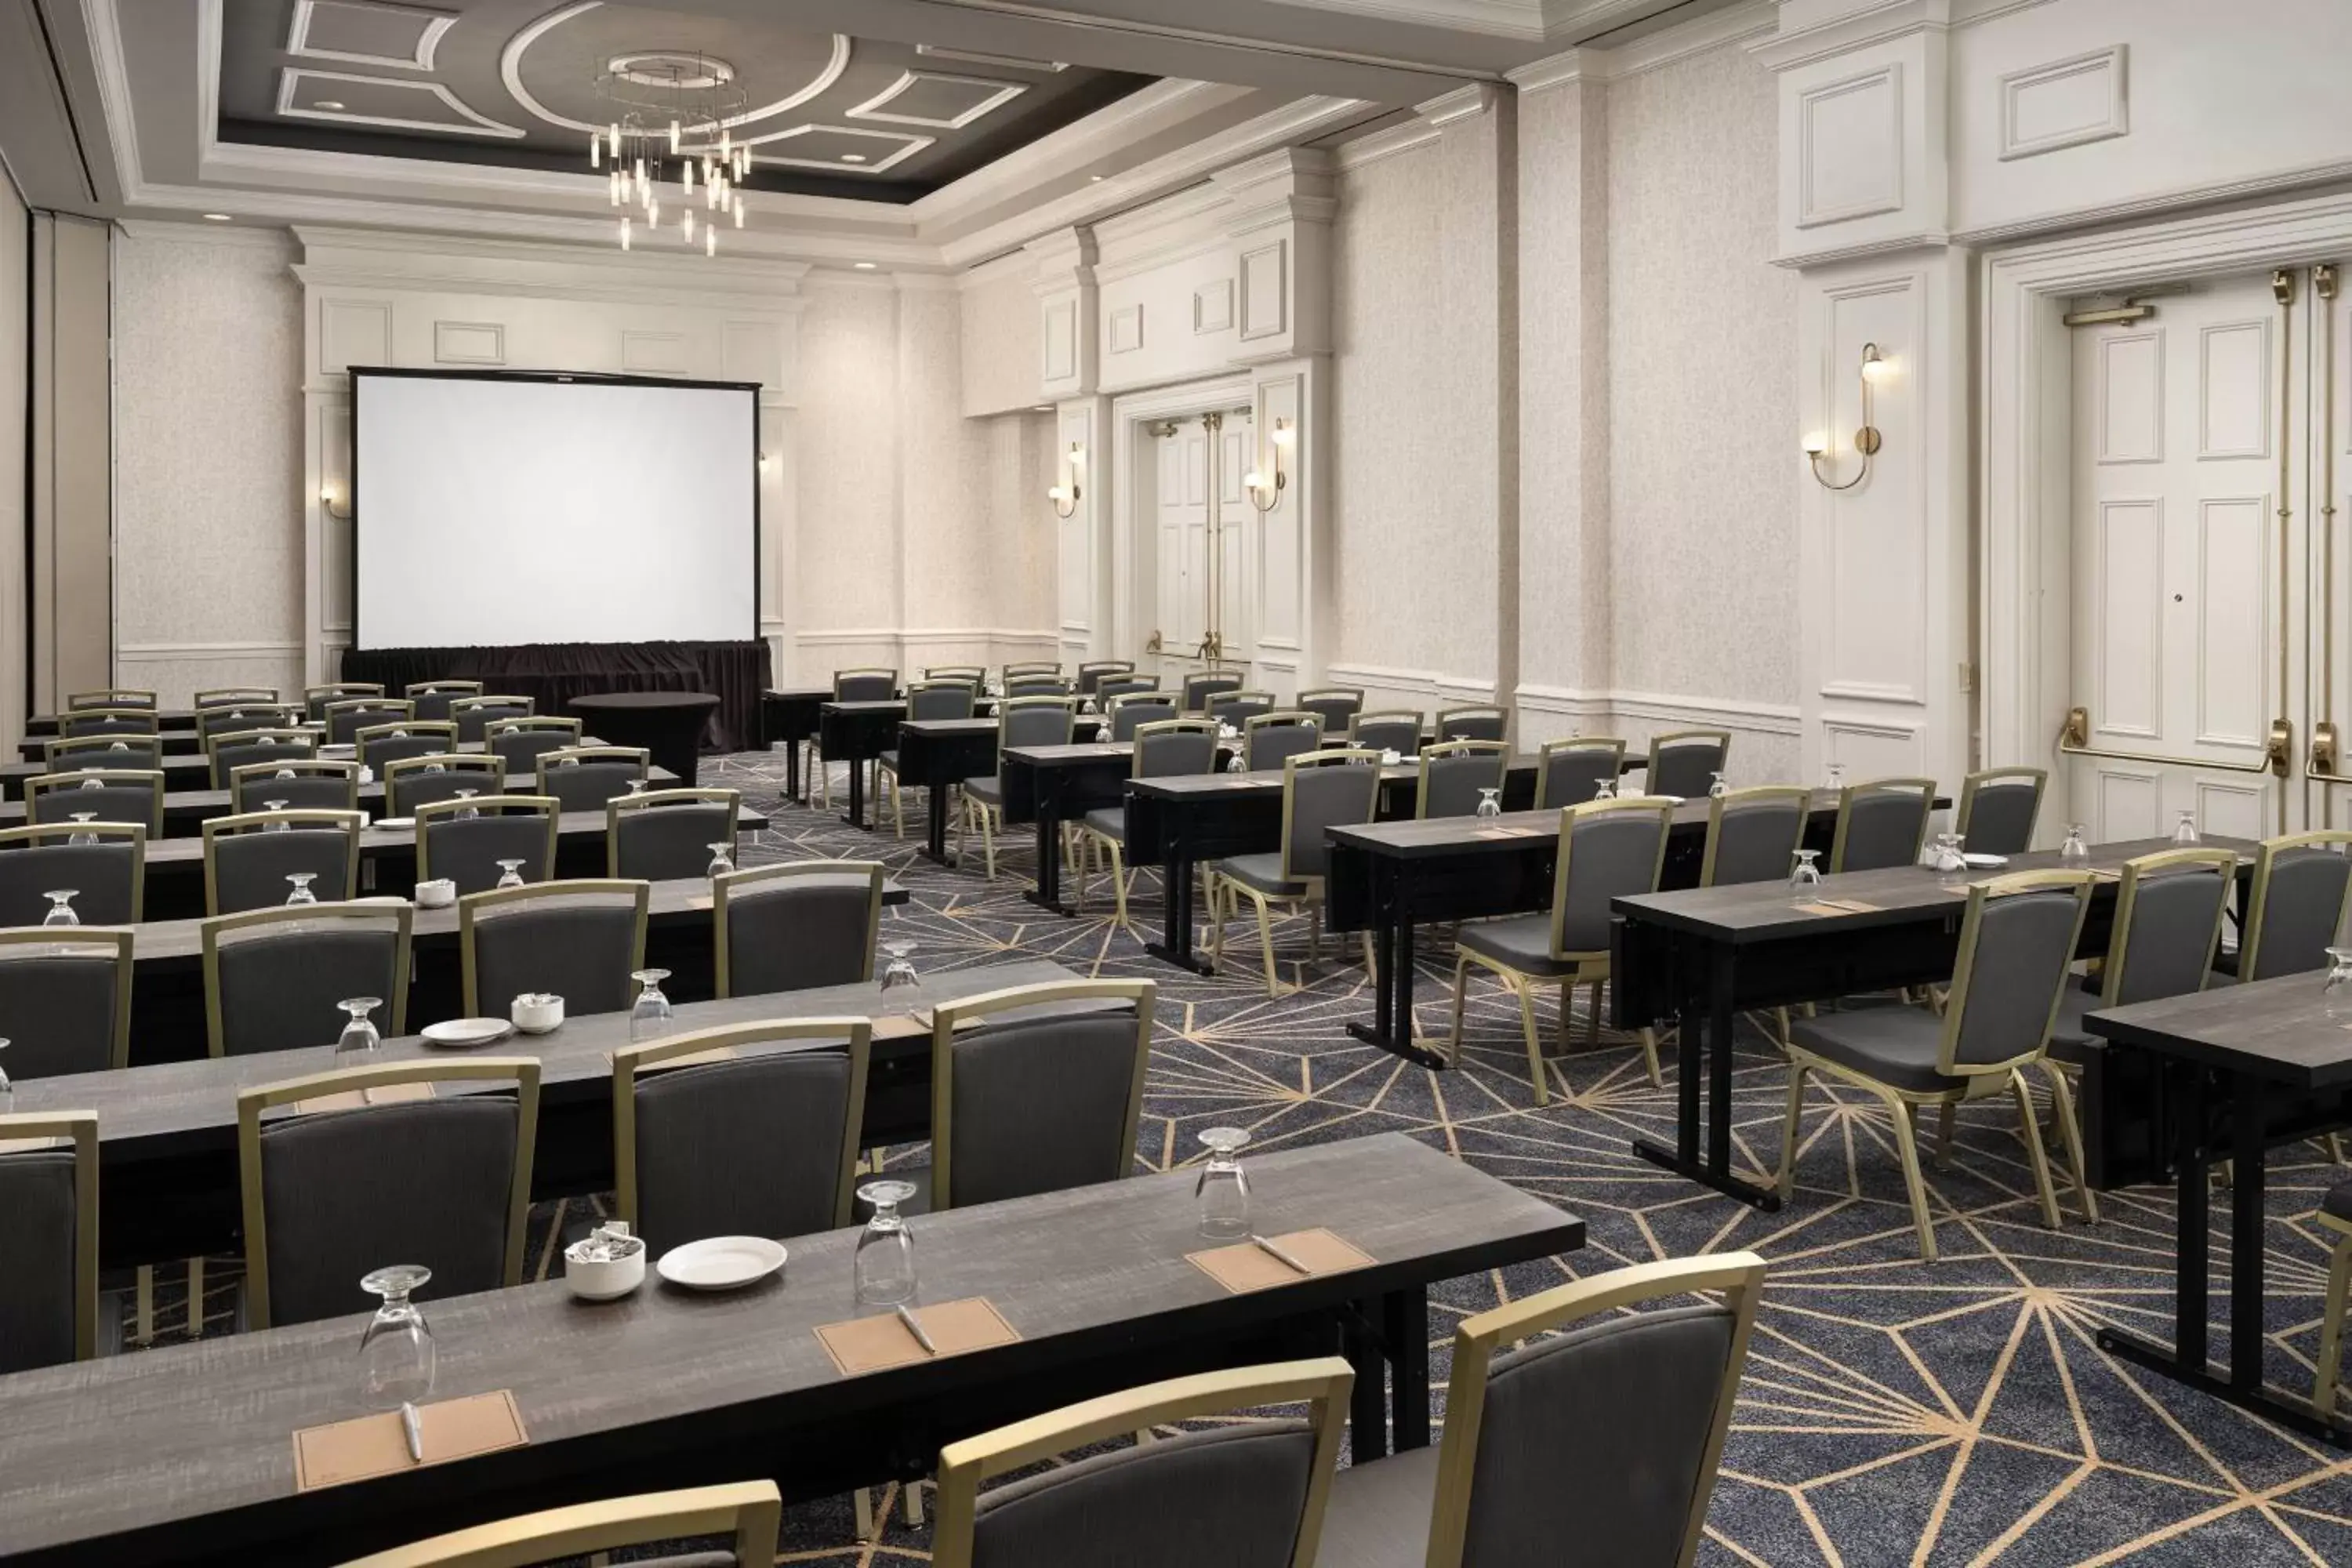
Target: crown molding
{"points": [[224, 237], [1879, 24], [351, 258], [1426, 125], [1741, 24]]}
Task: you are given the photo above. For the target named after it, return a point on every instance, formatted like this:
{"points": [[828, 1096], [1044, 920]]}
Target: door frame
{"points": [[1132, 528]]}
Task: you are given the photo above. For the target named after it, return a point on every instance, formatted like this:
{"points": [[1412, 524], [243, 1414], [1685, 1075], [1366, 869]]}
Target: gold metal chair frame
{"points": [[93, 745], [252, 1102], [306, 739], [396, 710], [249, 716], [401, 917], [1924, 788], [452, 688], [1093, 843], [473, 906], [1225, 892], [1019, 668], [78, 1128], [43, 940], [231, 696], [1499, 750], [442, 729], [339, 690], [66, 784], [1975, 783], [1793, 795], [1469, 711], [620, 806], [1279, 719], [2258, 898], [1385, 716], [751, 878], [312, 818], [750, 1511], [1550, 750], [1585, 968], [34, 836], [395, 774], [121, 697], [990, 817], [433, 811]]}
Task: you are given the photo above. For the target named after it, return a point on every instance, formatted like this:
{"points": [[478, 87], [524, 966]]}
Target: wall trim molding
{"points": [[919, 636], [1729, 713], [173, 652], [1421, 682]]}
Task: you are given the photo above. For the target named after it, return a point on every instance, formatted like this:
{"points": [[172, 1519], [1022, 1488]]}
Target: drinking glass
{"points": [[93, 784], [510, 873], [1717, 789], [1805, 881], [1950, 867], [397, 1353], [277, 826], [81, 819], [301, 893], [1607, 790], [722, 859], [2185, 830], [283, 773], [467, 809], [360, 1036], [2336, 996], [2075, 853], [61, 912], [7, 1089], [1836, 779], [649, 1018], [636, 787], [900, 969], [1490, 803], [1222, 1189], [886, 1252]]}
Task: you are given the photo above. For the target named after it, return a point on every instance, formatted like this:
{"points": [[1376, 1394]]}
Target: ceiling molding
{"points": [[1426, 126], [290, 78], [223, 236], [1745, 23], [872, 109], [909, 145], [510, 72], [354, 258], [428, 37], [1879, 24], [1522, 19]]}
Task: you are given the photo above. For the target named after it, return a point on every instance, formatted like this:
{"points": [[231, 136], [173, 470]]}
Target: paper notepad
{"points": [[357, 1099], [1509, 832], [373, 1446], [1246, 1266], [903, 1025], [879, 1342]]}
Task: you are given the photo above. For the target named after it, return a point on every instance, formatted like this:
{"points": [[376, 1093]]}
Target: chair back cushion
{"points": [[1199, 689], [582, 953], [434, 706], [2001, 818], [1271, 745], [2024, 943], [1334, 711], [101, 875], [1449, 784], [864, 688], [1047, 724], [282, 991], [107, 802], [57, 1011], [122, 751], [108, 722], [1175, 754], [1484, 724], [1330, 796], [1228, 1497], [377, 751], [1128, 717], [346, 1192], [1756, 841], [423, 787], [2170, 947], [747, 1147], [1687, 768], [250, 869], [1402, 736], [661, 843], [1112, 686], [37, 1237], [226, 760], [799, 932], [519, 749], [1235, 708], [1882, 830], [586, 787], [1040, 1103], [343, 725], [473, 721], [949, 700], [468, 850], [1574, 774], [2302, 909], [1610, 854], [303, 792]]}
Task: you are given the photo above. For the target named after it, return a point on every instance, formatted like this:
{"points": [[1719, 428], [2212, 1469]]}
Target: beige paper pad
{"points": [[903, 1025], [1850, 906], [1823, 909], [1510, 833], [879, 1342], [377, 1445], [1243, 1268]]}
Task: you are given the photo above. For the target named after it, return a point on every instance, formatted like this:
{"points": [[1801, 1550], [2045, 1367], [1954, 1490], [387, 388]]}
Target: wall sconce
{"points": [[1064, 496], [1266, 491], [327, 500], [767, 464], [1866, 440]]}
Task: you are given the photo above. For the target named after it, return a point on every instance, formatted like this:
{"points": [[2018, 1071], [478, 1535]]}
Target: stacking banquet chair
{"points": [[1111, 687], [1036, 686], [2017, 939], [794, 925], [1753, 834], [316, 698], [1168, 748], [666, 834], [926, 700], [1024, 668], [370, 1165], [1202, 685], [48, 1225], [80, 754], [520, 743], [1237, 1492], [107, 873], [112, 697], [1483, 723], [1335, 706], [250, 861], [230, 696], [235, 749], [1605, 1432], [1092, 673], [1131, 710], [717, 1133], [1684, 762], [2295, 911], [100, 795], [108, 722], [747, 1513], [869, 685], [1237, 708], [2335, 1215], [585, 777], [303, 784], [581, 939], [1608, 849], [1454, 773], [381, 745], [1881, 823], [276, 979], [347, 717], [433, 698], [1572, 772], [65, 1002], [1394, 731], [466, 841], [1270, 740], [475, 715], [415, 782], [1321, 790], [973, 675], [236, 718], [1997, 810], [1020, 722]]}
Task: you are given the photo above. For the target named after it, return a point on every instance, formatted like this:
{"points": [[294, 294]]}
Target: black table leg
{"points": [[1707, 1013], [855, 814], [1404, 1325], [1719, 1040], [1175, 943], [1048, 893], [2246, 1223], [1391, 1026], [935, 831], [1368, 1405], [792, 772]]}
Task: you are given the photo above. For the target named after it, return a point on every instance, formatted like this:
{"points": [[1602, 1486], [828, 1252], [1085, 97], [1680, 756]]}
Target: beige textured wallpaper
{"points": [[849, 556]]}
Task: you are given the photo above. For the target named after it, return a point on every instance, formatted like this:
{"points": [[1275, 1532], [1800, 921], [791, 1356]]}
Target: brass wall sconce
{"points": [[1866, 440], [1065, 495], [1266, 489], [327, 501]]}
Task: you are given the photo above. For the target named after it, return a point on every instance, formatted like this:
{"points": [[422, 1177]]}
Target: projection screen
{"points": [[510, 508]]}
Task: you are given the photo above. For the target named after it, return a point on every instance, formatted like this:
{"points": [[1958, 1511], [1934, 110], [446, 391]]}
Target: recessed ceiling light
{"points": [[328, 103], [1096, 179], [217, 218], [864, 266], [1042, 408]]}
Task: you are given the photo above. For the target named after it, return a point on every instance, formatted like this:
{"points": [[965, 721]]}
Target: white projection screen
{"points": [[504, 509]]}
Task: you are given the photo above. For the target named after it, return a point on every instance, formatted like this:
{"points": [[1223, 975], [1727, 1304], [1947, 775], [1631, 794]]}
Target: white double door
{"points": [[2206, 603], [1200, 580]]}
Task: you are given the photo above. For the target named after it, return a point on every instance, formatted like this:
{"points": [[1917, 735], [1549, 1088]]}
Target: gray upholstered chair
{"points": [[1237, 1492], [1114, 687], [1997, 810], [717, 1132], [973, 675], [80, 754], [1270, 740], [475, 715], [237, 749], [107, 873], [868, 685], [746, 1514], [303, 784], [1603, 1428], [1202, 685], [48, 1233], [378, 746], [65, 1002], [1684, 762], [580, 939], [1023, 668], [346, 718], [2294, 911], [1092, 673], [1165, 747], [1481, 722], [1572, 772], [368, 1166], [1881, 823], [1321, 789], [249, 859], [230, 696], [1392, 731], [584, 778], [316, 698], [794, 925], [106, 795], [1020, 722], [1237, 707], [237, 718], [465, 840], [2017, 938], [1336, 705], [666, 834], [1131, 710], [1753, 834], [275, 980], [415, 782], [109, 722], [926, 700], [520, 743], [1037, 685], [433, 698], [1608, 849], [1454, 773]]}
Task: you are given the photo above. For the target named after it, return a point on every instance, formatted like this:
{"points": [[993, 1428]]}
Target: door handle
{"points": [[2323, 750]]}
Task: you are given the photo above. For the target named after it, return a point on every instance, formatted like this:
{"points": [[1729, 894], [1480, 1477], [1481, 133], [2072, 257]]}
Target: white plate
{"points": [[1986, 862], [396, 822], [721, 1262], [458, 1032]]}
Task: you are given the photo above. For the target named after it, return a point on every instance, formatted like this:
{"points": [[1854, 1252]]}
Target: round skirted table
{"points": [[667, 724]]}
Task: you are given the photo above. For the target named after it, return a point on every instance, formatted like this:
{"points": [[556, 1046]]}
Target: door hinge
{"points": [[1967, 677]]}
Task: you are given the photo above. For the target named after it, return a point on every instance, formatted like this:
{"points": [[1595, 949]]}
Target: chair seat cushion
{"points": [[1110, 820], [987, 791], [1523, 941], [2070, 1041], [1897, 1046], [1379, 1512], [2338, 1201], [1262, 872]]}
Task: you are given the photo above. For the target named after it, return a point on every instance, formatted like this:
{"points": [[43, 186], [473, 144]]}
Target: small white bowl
{"points": [[438, 894], [537, 1012], [604, 1280]]}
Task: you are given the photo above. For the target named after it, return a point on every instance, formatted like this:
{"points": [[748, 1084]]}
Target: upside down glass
{"points": [[2336, 996], [1223, 1190], [301, 881], [510, 873], [723, 859], [61, 910], [2185, 830], [649, 1018], [360, 1036], [1805, 880], [397, 1359], [82, 820], [1490, 803], [885, 1265], [2075, 853]]}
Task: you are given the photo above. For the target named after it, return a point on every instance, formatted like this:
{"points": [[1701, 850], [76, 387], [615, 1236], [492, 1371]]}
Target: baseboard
{"points": [[1658, 709]]}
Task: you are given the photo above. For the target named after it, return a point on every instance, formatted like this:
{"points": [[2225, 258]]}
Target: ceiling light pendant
{"points": [[624, 233], [685, 175], [710, 241], [671, 111], [686, 225], [738, 212], [596, 148]]}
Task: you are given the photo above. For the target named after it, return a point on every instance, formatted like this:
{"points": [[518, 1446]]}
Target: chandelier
{"points": [[669, 148]]}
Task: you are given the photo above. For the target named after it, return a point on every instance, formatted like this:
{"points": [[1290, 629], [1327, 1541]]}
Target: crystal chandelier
{"points": [[670, 140]]}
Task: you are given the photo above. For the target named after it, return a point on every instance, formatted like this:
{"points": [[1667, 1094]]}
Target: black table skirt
{"points": [[552, 674]]}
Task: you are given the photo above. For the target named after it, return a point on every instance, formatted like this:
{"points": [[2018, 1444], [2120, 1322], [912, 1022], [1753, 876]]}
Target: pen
{"points": [[916, 1329], [1279, 1255], [414, 1429]]}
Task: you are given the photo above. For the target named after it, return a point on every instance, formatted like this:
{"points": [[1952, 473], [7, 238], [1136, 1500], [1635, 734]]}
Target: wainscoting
{"points": [[1764, 736]]}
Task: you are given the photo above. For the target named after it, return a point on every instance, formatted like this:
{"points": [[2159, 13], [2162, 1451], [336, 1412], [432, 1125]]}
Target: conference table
{"points": [[193, 773], [166, 718], [938, 754], [2245, 1068], [185, 811], [789, 717], [176, 742], [185, 1455]]}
